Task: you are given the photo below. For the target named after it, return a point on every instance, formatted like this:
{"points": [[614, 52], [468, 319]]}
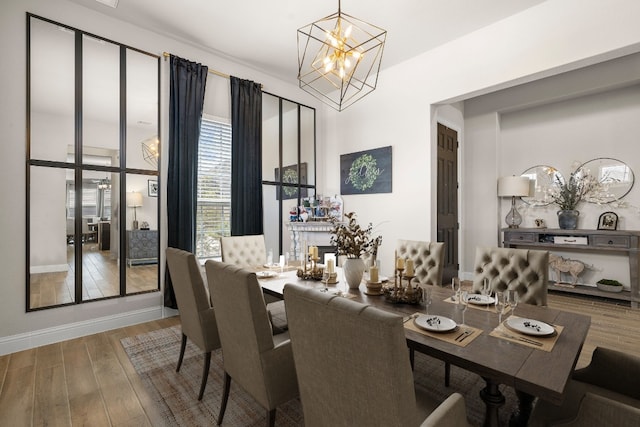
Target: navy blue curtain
{"points": [[186, 99], [246, 157]]}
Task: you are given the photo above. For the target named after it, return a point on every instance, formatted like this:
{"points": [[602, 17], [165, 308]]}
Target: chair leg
{"points": [[205, 374], [183, 346], [225, 396], [271, 418], [412, 357], [447, 373]]}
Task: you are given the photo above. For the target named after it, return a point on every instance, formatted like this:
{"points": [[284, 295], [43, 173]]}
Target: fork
{"points": [[463, 335]]}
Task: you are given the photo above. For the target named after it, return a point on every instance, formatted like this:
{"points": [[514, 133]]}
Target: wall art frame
{"points": [[366, 172]]}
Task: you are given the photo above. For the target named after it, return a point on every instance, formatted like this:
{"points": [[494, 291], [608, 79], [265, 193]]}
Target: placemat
{"points": [[461, 336], [540, 343]]}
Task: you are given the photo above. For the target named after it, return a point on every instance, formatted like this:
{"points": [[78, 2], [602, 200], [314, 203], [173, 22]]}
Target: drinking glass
{"points": [[455, 285], [462, 304], [513, 300], [270, 258], [426, 298], [501, 305], [486, 290]]}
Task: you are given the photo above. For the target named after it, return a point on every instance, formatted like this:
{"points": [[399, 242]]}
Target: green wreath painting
{"points": [[366, 172], [290, 176]]}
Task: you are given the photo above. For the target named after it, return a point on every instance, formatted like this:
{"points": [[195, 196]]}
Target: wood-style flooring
{"points": [[90, 381], [100, 279]]}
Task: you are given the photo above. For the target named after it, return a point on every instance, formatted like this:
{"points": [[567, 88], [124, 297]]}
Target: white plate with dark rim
{"points": [[478, 299], [530, 326], [266, 274], [435, 323]]}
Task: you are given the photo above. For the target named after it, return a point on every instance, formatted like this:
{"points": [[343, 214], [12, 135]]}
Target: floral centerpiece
{"points": [[353, 241]]}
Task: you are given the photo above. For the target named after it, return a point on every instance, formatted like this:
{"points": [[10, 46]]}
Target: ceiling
{"points": [[262, 34]]}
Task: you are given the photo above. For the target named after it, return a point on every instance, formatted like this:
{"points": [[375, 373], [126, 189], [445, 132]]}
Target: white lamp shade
{"points": [[517, 186], [134, 199]]}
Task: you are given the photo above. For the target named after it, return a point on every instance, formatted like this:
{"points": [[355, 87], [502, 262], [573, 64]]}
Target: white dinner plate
{"points": [[435, 323], [529, 326], [266, 274], [272, 265], [478, 299]]}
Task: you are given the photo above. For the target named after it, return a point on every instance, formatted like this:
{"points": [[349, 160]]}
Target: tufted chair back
{"points": [[523, 270], [428, 259], [244, 251]]}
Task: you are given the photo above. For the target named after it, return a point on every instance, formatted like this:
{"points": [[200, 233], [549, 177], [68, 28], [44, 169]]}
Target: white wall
{"points": [[19, 329], [545, 40]]}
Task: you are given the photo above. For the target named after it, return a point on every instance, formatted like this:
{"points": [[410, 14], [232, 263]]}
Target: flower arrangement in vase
{"points": [[567, 194], [353, 241]]}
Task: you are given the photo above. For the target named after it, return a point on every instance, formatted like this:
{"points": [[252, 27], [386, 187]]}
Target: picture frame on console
{"points": [[608, 221]]}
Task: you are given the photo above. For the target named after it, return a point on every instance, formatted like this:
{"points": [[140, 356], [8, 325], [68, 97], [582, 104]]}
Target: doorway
{"points": [[447, 200]]}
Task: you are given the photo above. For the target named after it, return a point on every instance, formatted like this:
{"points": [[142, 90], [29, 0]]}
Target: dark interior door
{"points": [[447, 208]]}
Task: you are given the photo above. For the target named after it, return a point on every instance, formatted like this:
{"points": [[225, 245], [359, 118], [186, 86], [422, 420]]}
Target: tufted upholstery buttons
{"points": [[428, 259], [244, 251], [526, 271]]}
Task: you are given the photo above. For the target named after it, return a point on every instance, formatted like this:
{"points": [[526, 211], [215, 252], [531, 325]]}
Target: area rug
{"points": [[154, 356]]}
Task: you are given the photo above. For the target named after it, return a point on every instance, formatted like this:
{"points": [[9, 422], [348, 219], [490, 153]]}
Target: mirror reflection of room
{"points": [[80, 226]]}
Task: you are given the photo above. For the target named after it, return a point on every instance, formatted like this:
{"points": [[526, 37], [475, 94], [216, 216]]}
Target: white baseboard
{"points": [[25, 341], [53, 268]]}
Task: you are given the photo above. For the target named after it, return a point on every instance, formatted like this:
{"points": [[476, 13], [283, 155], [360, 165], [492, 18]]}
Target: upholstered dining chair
{"points": [[197, 318], [428, 259], [250, 252], [522, 270], [261, 363], [605, 393], [352, 366]]}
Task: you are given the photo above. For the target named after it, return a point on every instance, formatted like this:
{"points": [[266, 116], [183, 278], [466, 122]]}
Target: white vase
{"points": [[353, 271]]}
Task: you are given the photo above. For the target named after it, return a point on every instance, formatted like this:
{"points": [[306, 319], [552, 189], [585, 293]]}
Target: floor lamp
{"points": [[134, 200], [513, 186]]}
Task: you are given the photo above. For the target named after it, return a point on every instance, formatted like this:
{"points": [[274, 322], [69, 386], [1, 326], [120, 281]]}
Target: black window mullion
{"points": [[77, 241]]}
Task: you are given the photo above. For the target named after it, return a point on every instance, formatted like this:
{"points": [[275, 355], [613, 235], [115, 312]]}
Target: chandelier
{"points": [[150, 151], [104, 184], [339, 58]]}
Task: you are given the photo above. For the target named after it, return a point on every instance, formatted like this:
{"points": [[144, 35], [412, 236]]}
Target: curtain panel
{"points": [[246, 157], [186, 100]]}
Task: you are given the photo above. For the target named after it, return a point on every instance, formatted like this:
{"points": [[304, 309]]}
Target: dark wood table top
{"points": [[529, 370]]}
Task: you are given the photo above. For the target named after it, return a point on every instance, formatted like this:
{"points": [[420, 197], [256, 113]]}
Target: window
{"points": [[213, 211]]}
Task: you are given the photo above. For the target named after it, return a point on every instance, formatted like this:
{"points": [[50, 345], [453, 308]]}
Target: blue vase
{"points": [[568, 219]]}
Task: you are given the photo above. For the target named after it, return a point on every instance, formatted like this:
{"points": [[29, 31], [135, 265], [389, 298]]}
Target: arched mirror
{"points": [[614, 177], [541, 179], [79, 224]]}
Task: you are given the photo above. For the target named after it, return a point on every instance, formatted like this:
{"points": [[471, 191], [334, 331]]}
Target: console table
{"points": [[625, 242], [142, 247]]}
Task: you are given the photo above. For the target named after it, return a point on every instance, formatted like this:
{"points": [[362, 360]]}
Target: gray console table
{"points": [[625, 242], [142, 247]]}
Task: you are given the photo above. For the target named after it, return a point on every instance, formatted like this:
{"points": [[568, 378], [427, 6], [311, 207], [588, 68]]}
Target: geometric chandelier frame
{"points": [[339, 58]]}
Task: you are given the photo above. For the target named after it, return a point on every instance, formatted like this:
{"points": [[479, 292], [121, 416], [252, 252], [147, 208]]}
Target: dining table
{"points": [[535, 367]]}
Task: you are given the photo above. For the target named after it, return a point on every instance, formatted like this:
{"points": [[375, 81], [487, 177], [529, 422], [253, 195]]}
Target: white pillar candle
{"points": [[400, 263], [409, 268], [330, 265], [373, 274]]}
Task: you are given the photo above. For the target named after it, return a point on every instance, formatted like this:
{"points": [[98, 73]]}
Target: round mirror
{"points": [[541, 179], [615, 179]]}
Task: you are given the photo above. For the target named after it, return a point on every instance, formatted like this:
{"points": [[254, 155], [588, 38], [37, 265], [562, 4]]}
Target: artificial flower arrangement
{"points": [[566, 194], [351, 239]]}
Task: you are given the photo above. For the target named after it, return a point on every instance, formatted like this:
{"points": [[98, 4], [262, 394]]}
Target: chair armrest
{"points": [[600, 411], [280, 372], [601, 372], [450, 413]]}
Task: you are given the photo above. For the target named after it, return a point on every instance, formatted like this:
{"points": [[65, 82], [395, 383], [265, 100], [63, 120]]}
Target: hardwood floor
{"points": [[90, 381], [100, 279]]}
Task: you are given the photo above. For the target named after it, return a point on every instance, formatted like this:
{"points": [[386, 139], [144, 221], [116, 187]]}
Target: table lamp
{"points": [[134, 200], [513, 186]]}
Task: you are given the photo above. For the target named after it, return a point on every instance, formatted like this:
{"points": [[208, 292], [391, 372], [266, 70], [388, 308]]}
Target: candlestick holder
{"points": [[315, 272], [400, 294]]}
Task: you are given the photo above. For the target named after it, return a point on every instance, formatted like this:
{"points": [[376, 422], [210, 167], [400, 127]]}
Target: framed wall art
{"points": [[366, 172], [290, 176], [152, 187], [608, 221]]}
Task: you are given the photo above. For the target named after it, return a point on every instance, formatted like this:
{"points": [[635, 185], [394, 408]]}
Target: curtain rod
{"points": [[217, 73]]}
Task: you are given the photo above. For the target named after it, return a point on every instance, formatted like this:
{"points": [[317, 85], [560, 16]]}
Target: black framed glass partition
{"points": [[288, 166], [92, 141]]}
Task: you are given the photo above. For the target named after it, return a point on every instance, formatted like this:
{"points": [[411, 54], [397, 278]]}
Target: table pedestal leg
{"points": [[493, 399], [521, 416]]}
